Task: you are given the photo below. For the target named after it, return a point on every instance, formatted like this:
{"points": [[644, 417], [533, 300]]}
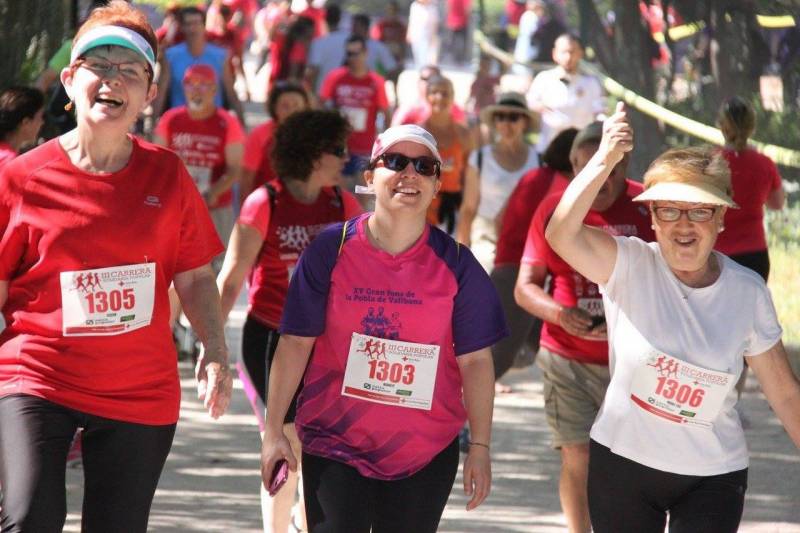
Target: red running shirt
{"points": [[64, 220], [753, 177], [256, 153], [569, 288], [287, 231], [201, 143], [528, 194], [359, 99]]}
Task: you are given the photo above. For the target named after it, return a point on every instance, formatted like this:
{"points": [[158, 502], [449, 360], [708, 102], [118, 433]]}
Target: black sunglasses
{"points": [[424, 165], [352, 53], [510, 117], [339, 151]]}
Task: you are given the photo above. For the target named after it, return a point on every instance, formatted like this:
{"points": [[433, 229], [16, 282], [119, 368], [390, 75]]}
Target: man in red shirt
{"points": [[574, 349], [211, 143], [360, 95], [458, 12]]}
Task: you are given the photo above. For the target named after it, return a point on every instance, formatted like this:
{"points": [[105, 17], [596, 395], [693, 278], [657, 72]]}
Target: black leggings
{"points": [[755, 261], [121, 462], [627, 496], [449, 202], [340, 500], [258, 351]]}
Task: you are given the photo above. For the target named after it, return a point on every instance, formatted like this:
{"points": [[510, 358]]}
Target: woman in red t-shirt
{"points": [[84, 276], [285, 98], [276, 224], [289, 52], [756, 183], [21, 110]]}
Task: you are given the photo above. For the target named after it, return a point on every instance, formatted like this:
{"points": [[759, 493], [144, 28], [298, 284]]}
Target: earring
{"points": [[653, 227], [69, 105], [721, 229]]}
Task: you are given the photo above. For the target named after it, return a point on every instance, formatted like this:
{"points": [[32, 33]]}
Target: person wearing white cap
{"points": [[401, 319], [681, 321], [84, 278]]}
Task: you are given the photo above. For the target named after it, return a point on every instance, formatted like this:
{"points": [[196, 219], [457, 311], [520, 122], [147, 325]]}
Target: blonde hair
{"points": [[737, 120], [691, 165]]}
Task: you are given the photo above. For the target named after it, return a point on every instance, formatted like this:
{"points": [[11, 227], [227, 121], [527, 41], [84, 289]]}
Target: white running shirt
{"points": [[712, 327]]}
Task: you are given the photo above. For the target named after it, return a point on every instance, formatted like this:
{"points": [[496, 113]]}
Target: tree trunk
{"points": [[634, 49]]}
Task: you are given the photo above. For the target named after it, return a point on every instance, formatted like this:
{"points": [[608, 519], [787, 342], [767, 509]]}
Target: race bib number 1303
{"points": [[107, 301], [391, 372]]}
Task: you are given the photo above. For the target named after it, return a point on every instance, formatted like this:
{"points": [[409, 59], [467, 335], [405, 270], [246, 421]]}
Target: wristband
{"points": [[479, 444]]}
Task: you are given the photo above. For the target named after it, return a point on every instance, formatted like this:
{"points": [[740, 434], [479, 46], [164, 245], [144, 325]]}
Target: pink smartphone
{"points": [[280, 473]]}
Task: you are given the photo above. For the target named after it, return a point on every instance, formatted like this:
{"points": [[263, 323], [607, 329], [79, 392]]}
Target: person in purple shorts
{"points": [[401, 319]]}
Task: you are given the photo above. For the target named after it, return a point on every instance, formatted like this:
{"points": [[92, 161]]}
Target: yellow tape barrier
{"points": [[780, 155], [781, 21], [683, 31]]}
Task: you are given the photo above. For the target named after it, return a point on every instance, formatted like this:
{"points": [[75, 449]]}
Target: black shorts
{"points": [[258, 350], [627, 496]]}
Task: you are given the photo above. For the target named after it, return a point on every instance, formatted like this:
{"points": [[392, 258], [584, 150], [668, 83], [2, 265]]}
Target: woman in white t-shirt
{"points": [[681, 319], [492, 173]]}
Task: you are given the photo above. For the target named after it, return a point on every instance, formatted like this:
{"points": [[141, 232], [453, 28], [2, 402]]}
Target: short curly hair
{"points": [[303, 138]]}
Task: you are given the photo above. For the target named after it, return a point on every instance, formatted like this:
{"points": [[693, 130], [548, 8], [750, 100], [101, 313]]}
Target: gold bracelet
{"points": [[479, 444]]}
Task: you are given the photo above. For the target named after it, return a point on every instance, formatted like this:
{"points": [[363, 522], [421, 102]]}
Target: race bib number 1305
{"points": [[107, 301]]}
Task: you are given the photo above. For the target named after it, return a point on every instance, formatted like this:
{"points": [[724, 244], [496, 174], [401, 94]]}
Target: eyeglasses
{"points": [[204, 86], [423, 165], [105, 69], [695, 214], [339, 151], [502, 116]]}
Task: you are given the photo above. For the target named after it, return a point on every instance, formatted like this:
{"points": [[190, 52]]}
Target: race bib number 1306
{"points": [[107, 301]]}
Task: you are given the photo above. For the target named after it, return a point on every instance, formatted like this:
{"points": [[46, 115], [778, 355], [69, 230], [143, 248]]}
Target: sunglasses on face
{"points": [[501, 116], [423, 165], [339, 151], [695, 214], [352, 53]]}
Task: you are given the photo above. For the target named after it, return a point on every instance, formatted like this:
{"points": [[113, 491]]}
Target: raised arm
{"points": [[590, 251]]}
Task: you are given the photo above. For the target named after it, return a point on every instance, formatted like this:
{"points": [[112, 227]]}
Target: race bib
{"points": [[201, 177], [391, 372], [678, 391], [593, 306], [356, 116], [107, 301]]}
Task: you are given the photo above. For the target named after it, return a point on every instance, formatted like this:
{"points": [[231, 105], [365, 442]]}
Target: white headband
{"points": [[114, 36]]}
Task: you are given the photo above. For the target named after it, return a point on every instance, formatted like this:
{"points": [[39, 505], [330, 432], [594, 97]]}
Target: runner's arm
{"points": [[469, 205], [3, 293], [200, 300], [164, 77], [477, 375], [780, 387], [228, 78], [291, 358], [242, 252], [529, 294], [233, 171], [590, 251]]}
